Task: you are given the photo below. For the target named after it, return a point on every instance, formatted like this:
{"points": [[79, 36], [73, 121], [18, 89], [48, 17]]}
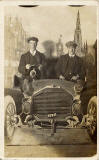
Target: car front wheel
{"points": [[10, 117], [92, 117]]}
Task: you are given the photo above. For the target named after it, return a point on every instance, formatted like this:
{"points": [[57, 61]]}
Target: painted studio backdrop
{"points": [[54, 26]]}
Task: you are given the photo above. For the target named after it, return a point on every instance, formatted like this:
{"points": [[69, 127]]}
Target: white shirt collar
{"points": [[71, 55], [33, 52]]}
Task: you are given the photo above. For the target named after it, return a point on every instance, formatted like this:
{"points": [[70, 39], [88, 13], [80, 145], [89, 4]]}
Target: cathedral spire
{"points": [[77, 35], [78, 21]]}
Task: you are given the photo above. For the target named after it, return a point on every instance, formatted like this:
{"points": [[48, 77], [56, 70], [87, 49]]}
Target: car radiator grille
{"points": [[52, 101]]}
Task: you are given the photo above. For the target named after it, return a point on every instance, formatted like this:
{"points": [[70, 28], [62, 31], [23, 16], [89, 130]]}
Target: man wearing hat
{"points": [[70, 66], [32, 57]]}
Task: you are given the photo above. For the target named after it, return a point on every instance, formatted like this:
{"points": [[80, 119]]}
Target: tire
{"points": [[10, 112], [92, 118]]}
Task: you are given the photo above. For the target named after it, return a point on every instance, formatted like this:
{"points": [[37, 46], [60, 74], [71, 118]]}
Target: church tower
{"points": [[78, 36], [59, 47]]}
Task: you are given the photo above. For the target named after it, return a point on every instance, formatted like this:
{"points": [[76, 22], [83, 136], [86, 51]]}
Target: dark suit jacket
{"points": [[69, 67], [27, 58]]}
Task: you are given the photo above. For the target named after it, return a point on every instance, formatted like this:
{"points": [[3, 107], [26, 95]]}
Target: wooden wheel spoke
{"points": [[94, 124], [8, 123], [92, 129], [91, 109], [7, 118], [94, 111], [10, 109]]}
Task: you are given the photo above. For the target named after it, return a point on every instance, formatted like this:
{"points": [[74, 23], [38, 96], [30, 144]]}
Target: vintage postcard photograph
{"points": [[50, 80]]}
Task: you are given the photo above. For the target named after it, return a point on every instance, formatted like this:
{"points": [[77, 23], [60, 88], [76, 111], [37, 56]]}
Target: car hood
{"points": [[40, 85]]}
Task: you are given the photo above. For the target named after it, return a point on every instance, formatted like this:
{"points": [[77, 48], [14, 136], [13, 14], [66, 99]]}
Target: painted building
{"points": [[14, 45]]}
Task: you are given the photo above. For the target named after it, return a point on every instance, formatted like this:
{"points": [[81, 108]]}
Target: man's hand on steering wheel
{"points": [[74, 78], [61, 77], [33, 71], [27, 66], [40, 66]]}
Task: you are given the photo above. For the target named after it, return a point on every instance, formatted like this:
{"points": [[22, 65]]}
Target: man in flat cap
{"points": [[70, 66], [35, 59], [32, 57]]}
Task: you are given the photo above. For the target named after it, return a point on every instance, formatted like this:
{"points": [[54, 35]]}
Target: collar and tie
{"points": [[33, 52], [71, 56]]}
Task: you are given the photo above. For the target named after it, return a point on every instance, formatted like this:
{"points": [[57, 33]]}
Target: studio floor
{"points": [[27, 142]]}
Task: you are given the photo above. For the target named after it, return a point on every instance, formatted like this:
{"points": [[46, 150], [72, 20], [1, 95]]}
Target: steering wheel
{"points": [[34, 72]]}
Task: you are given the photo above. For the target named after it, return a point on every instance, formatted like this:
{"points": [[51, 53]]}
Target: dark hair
{"points": [[71, 43], [32, 39]]}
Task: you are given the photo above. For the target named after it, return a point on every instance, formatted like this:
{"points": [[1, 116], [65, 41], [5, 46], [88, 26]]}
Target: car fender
{"points": [[17, 96]]}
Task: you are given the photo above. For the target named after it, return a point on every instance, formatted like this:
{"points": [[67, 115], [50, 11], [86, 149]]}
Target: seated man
{"points": [[28, 60], [70, 66]]}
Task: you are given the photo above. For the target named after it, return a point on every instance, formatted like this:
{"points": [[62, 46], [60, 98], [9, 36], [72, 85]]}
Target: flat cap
{"points": [[32, 39], [71, 43]]}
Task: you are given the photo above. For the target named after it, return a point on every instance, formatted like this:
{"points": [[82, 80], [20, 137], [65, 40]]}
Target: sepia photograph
{"points": [[50, 81]]}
